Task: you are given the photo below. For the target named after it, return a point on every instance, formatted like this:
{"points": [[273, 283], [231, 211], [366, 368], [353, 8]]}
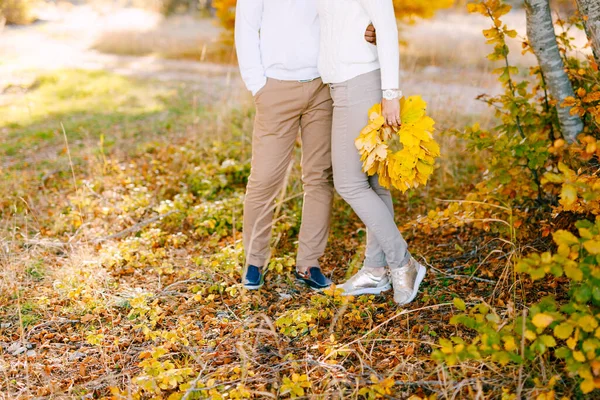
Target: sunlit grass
{"points": [[84, 102], [97, 110]]}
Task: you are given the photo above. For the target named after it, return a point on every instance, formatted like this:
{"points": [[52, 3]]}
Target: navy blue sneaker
{"points": [[314, 278], [254, 279]]}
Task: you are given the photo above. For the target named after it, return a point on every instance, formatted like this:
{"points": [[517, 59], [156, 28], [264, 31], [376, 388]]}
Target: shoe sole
{"points": [[418, 280], [368, 291], [311, 287], [254, 287]]}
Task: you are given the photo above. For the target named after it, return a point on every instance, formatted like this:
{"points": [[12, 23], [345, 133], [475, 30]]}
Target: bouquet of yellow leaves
{"points": [[413, 164]]}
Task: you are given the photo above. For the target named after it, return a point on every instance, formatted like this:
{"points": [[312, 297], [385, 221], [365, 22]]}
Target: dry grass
{"points": [[136, 32], [454, 40]]}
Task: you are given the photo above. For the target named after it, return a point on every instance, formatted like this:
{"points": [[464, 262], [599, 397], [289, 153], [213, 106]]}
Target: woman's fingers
{"points": [[390, 109], [370, 35], [392, 120]]}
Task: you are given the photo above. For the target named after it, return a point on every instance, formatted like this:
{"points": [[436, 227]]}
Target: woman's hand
{"points": [[371, 35], [390, 109]]}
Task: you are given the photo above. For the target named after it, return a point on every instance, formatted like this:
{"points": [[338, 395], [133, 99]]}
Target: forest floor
{"points": [[120, 253]]}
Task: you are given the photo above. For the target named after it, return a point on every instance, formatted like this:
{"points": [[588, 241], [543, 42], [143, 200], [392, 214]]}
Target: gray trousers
{"points": [[371, 202]]}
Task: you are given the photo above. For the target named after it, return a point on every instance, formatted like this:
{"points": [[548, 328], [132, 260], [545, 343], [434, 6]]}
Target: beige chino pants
{"points": [[282, 109]]}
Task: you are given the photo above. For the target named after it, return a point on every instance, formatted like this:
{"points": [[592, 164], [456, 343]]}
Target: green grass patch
{"points": [[89, 104]]}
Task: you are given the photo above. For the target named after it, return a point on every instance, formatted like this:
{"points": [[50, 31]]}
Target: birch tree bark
{"points": [[590, 9], [542, 39]]}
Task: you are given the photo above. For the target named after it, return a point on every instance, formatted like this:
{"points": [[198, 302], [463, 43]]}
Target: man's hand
{"points": [[371, 35]]}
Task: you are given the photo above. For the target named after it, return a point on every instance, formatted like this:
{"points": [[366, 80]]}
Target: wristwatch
{"points": [[392, 94]]}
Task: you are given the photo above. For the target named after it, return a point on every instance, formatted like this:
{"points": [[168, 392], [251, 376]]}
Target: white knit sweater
{"points": [[344, 52], [276, 39]]}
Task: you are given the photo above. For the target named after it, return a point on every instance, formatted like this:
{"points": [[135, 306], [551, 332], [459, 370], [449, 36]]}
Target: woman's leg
{"points": [[374, 255], [352, 101]]}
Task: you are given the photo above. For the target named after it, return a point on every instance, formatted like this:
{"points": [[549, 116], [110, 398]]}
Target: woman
{"points": [[359, 75]]}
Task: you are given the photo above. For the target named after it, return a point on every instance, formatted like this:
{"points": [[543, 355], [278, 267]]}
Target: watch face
{"points": [[389, 94]]}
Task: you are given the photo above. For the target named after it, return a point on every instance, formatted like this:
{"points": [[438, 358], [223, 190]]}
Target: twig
{"points": [[46, 243], [520, 384], [50, 323], [387, 321], [72, 168], [134, 228], [455, 276], [172, 285], [336, 317], [469, 277]]}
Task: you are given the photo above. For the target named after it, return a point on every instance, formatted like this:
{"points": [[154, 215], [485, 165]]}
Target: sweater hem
{"points": [[349, 71], [292, 75]]}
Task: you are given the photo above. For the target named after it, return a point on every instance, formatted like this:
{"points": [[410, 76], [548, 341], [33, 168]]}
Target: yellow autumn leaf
{"points": [[412, 109], [578, 356], [592, 246], [569, 174], [424, 169], [542, 320], [509, 344], [367, 141], [530, 335], [564, 237], [422, 179], [563, 330], [587, 385], [409, 140], [375, 111], [432, 148], [568, 195], [588, 323]]}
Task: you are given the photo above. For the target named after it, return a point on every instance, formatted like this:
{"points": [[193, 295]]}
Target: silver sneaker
{"points": [[406, 281], [365, 282]]}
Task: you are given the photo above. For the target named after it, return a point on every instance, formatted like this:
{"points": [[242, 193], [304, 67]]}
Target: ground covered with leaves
{"points": [[120, 247], [121, 258]]}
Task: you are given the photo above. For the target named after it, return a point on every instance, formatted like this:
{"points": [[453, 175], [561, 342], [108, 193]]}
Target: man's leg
{"points": [[317, 175], [278, 109]]}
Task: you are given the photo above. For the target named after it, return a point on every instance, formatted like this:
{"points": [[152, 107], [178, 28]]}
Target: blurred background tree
{"points": [[17, 12], [412, 10], [406, 11], [170, 7]]}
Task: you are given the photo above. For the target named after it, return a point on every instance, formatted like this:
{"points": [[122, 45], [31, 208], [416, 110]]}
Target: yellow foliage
{"points": [[413, 164], [225, 11], [17, 11], [409, 10]]}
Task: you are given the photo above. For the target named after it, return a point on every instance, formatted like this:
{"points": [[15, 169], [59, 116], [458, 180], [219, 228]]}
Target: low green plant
{"points": [[569, 331], [297, 322]]}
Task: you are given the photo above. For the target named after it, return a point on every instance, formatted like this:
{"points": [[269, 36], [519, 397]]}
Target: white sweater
{"points": [[344, 52], [276, 39]]}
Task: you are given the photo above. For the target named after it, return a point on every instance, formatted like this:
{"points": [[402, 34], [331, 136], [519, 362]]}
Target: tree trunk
{"points": [[590, 10], [542, 39]]}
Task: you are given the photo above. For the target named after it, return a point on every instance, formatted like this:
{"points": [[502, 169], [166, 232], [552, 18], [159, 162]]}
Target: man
{"points": [[277, 43]]}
